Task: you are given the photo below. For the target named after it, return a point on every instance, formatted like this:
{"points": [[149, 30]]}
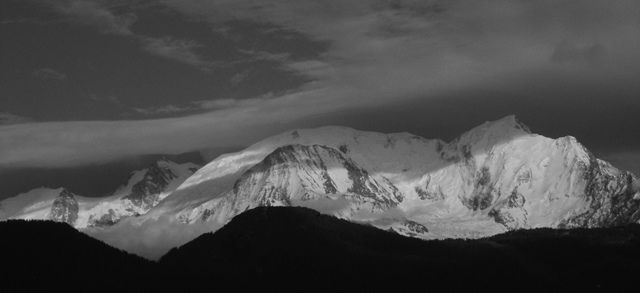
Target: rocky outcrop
{"points": [[510, 212], [107, 219], [483, 194], [64, 208], [612, 198], [411, 228], [145, 194]]}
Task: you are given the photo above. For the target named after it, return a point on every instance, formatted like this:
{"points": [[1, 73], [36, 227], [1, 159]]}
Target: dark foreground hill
{"points": [[300, 249], [37, 254], [288, 246]]}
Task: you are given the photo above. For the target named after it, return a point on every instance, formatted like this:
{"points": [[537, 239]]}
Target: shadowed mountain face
{"points": [[292, 248], [293, 245]]}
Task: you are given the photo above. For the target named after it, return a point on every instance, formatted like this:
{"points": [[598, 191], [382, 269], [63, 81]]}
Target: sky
{"points": [[91, 83]]}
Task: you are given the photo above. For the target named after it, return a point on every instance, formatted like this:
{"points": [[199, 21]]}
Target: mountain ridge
{"points": [[499, 168], [144, 189], [495, 177]]}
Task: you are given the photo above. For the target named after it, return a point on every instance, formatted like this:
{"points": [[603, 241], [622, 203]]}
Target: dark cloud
{"points": [[591, 54], [103, 18], [94, 13], [626, 160], [568, 66], [165, 61]]}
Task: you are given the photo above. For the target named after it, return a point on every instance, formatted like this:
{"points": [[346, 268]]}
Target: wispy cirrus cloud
{"points": [[96, 14], [176, 49], [8, 119], [100, 15], [49, 74], [264, 55], [162, 110], [205, 105], [238, 77]]}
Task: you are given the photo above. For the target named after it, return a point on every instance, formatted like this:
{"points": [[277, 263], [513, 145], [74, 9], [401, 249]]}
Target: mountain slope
{"points": [[287, 246], [297, 173], [496, 177]]}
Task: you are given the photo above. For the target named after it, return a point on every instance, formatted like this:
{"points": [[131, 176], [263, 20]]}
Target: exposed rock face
{"points": [[611, 195], [510, 212], [409, 228], [108, 219], [296, 173], [145, 194], [483, 193], [65, 208], [431, 195]]}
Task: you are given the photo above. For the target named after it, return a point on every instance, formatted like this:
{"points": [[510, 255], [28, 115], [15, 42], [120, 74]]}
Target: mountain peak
{"points": [[163, 162], [64, 208], [64, 192], [510, 122], [493, 132]]}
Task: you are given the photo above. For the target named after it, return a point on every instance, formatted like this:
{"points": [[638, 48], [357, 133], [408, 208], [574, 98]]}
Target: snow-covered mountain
{"points": [[496, 177], [145, 189]]}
